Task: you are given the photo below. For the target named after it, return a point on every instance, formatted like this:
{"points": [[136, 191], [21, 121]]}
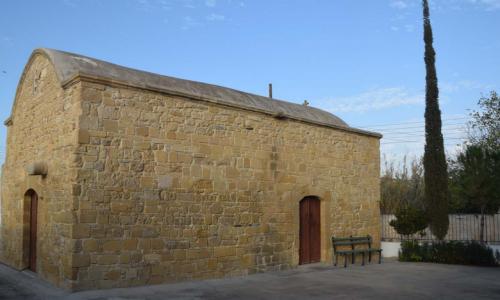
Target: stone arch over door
{"points": [[325, 198]]}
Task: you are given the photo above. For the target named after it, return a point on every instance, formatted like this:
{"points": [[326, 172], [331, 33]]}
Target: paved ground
{"points": [[389, 280]]}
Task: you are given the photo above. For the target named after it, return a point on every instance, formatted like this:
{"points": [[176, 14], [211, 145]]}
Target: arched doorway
{"points": [[33, 230], [310, 230]]}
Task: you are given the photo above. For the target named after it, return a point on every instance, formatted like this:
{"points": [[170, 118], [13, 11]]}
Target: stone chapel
{"points": [[116, 177]]}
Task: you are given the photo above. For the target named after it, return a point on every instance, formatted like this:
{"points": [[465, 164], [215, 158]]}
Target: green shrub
{"points": [[410, 221], [458, 253]]}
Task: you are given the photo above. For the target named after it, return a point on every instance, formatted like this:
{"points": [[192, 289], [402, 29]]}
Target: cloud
{"points": [[164, 4], [373, 100], [461, 85], [448, 87], [69, 3], [215, 17], [394, 28], [5, 40], [488, 5], [210, 3], [188, 4], [409, 28], [399, 4], [398, 17], [491, 4], [242, 4], [190, 22], [144, 5], [468, 84]]}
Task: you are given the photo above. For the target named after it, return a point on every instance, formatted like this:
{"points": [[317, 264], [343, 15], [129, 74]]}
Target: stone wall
{"points": [[41, 129], [172, 189]]}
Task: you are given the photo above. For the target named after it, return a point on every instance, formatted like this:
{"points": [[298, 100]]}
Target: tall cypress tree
{"points": [[436, 177]]}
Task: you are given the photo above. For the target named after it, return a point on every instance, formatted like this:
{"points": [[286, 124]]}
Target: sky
{"points": [[361, 60]]}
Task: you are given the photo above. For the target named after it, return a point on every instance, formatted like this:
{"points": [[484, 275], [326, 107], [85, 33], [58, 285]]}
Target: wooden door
{"points": [[33, 230], [310, 231]]}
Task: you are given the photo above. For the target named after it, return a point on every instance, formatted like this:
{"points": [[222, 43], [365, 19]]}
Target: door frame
{"points": [[326, 199], [26, 227], [309, 230], [33, 235]]}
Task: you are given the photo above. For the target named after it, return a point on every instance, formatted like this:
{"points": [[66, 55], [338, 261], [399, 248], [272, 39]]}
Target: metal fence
{"points": [[463, 227]]}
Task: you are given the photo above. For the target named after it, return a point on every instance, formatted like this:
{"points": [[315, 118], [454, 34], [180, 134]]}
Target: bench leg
{"points": [[363, 259], [352, 258], [334, 259], [345, 260], [369, 257], [379, 256]]}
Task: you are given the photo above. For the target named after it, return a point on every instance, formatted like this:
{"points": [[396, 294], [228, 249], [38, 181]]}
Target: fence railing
{"points": [[463, 227]]}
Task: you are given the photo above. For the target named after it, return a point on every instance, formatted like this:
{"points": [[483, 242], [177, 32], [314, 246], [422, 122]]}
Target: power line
{"points": [[422, 141], [421, 131], [402, 141], [423, 126], [383, 125], [423, 135], [448, 145]]}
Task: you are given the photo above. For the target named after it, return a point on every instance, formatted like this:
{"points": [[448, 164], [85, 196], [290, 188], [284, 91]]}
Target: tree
{"points": [[485, 129], [402, 183], [478, 177], [435, 168], [410, 221]]}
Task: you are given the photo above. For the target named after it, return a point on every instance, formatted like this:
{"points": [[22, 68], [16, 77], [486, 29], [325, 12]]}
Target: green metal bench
{"points": [[353, 241]]}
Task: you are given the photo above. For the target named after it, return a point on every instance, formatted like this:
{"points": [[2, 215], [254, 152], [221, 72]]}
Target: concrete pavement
{"points": [[389, 280]]}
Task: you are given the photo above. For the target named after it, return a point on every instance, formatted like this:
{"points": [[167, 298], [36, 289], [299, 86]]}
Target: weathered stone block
{"points": [[119, 207], [113, 246], [179, 255], [80, 260], [90, 245], [78, 231], [107, 260], [110, 126], [92, 95], [83, 136], [88, 216], [114, 274], [95, 273], [220, 251], [164, 181], [130, 244]]}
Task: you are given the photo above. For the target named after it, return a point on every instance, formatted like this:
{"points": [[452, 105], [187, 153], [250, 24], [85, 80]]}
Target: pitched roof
{"points": [[67, 64]]}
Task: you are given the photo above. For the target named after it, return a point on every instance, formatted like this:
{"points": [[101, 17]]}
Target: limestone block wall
{"points": [[41, 129], [173, 189]]}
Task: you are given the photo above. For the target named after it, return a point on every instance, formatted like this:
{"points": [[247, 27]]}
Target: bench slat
{"points": [[351, 238], [358, 251], [350, 243]]}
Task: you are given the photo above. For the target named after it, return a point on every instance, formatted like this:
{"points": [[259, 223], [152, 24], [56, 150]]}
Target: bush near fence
{"points": [[450, 252]]}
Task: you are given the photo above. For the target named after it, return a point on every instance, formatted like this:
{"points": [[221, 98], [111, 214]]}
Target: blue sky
{"points": [[359, 59]]}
